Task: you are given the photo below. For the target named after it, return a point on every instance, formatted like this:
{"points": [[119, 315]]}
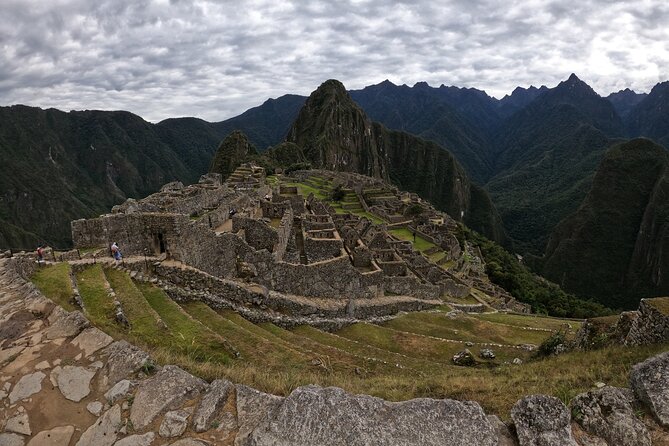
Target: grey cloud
{"points": [[215, 59]]}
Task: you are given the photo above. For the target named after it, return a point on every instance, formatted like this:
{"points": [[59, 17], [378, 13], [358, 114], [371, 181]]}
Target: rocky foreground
{"points": [[63, 382]]}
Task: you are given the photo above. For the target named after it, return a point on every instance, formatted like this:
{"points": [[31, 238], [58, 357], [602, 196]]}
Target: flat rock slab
{"points": [[211, 404], [120, 390], [11, 440], [650, 382], [19, 424], [542, 420], [65, 324], [74, 382], [137, 440], [92, 340], [28, 385], [608, 414], [168, 389], [123, 360], [103, 432], [330, 416], [58, 436], [190, 442]]}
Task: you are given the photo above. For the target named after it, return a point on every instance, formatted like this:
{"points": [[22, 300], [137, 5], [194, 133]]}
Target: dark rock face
{"points": [[542, 421], [608, 414], [650, 117], [329, 416], [620, 232], [233, 151], [650, 382], [334, 133]]}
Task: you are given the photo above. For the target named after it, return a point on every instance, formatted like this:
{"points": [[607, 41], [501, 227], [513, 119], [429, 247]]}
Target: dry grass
{"points": [[399, 361]]}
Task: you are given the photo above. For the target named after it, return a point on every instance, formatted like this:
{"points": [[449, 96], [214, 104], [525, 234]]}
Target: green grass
{"points": [[98, 304], [54, 282], [419, 245], [529, 321], [465, 328], [187, 334], [252, 347]]}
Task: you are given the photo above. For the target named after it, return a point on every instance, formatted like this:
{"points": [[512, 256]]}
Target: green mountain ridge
{"points": [[619, 235]]}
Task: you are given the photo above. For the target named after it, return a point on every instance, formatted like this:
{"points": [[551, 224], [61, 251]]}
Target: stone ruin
{"points": [[248, 233]]}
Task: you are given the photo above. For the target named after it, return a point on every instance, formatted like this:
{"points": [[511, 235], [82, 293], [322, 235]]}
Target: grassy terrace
{"points": [[420, 244], [407, 357]]}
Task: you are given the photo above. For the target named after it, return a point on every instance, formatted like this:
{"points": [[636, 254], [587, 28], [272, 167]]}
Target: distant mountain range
{"points": [[535, 153]]}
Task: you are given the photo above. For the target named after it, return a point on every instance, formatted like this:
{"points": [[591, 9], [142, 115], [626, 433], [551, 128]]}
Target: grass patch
{"points": [[54, 282], [187, 334], [99, 306], [531, 321], [419, 245]]}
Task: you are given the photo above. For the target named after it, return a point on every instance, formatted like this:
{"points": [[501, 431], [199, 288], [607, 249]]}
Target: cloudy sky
{"points": [[215, 59]]}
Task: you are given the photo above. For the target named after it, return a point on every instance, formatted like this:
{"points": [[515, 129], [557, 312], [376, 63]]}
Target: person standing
{"points": [[116, 252], [40, 254]]}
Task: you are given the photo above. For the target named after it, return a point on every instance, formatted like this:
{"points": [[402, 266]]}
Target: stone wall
{"points": [[257, 233], [133, 232], [410, 286], [652, 325], [284, 232]]}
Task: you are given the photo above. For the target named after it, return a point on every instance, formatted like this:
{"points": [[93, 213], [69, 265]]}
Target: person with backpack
{"points": [[40, 254]]}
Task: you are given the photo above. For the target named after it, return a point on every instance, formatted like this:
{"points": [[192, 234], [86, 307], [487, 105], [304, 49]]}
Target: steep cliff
{"points": [[620, 233], [233, 151]]}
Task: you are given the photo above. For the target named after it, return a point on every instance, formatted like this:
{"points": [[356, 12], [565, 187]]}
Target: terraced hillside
{"points": [[409, 356]]}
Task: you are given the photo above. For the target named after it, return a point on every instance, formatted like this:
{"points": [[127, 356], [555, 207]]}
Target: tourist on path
{"points": [[116, 252]]}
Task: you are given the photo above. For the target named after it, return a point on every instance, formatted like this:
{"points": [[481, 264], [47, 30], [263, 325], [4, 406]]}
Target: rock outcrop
{"points": [[330, 416], [650, 382], [542, 421]]}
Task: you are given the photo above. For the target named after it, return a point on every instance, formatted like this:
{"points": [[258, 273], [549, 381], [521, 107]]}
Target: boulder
{"points": [[487, 353], [542, 420], [123, 360], [27, 386], [74, 382], [103, 432], [211, 404], [58, 436], [174, 423], [650, 382], [314, 415], [253, 407], [166, 390], [464, 358], [504, 436], [608, 414]]}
